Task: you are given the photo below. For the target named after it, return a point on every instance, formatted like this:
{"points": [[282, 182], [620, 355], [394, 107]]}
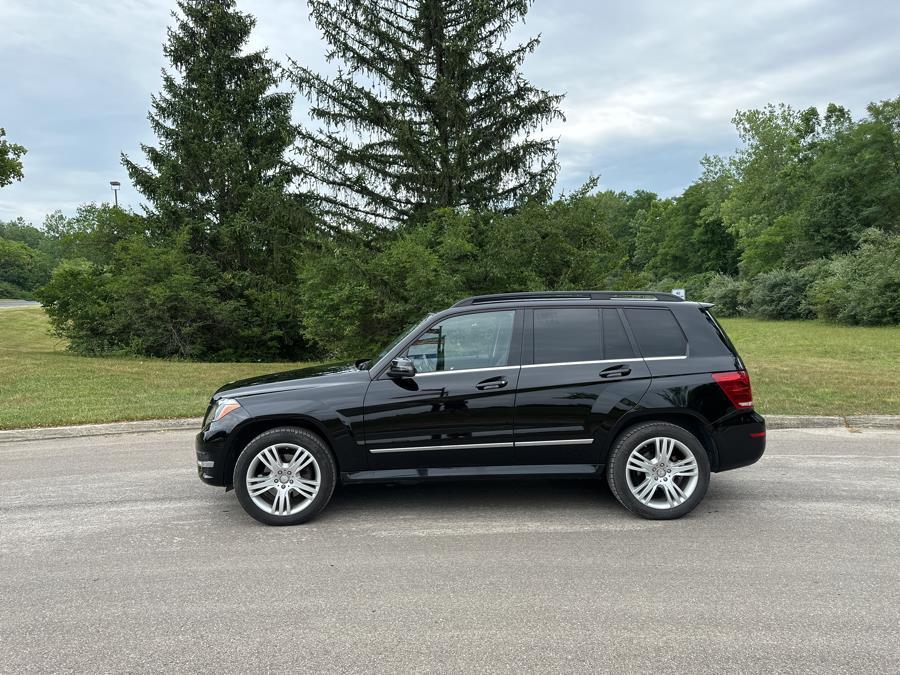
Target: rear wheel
{"points": [[284, 476], [658, 470]]}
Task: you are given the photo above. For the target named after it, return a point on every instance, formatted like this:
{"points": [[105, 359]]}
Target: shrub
{"points": [[863, 286], [22, 269], [358, 295], [781, 293], [726, 293], [161, 301]]}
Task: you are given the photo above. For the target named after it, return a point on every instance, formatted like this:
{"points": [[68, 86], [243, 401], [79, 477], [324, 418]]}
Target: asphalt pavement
{"points": [[114, 557]]}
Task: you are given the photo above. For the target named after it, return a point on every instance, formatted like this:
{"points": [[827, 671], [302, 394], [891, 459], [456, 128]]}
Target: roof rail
{"points": [[569, 295]]}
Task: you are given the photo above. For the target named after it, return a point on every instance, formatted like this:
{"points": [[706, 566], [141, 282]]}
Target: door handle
{"points": [[615, 371], [493, 383]]}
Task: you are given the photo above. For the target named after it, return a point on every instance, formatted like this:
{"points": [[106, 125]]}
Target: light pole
{"points": [[115, 185]]}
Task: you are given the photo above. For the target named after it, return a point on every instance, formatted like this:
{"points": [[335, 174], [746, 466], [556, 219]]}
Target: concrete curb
{"points": [[849, 422], [146, 426]]}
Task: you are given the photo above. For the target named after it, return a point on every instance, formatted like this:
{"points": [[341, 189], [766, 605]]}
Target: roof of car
{"points": [[575, 296]]}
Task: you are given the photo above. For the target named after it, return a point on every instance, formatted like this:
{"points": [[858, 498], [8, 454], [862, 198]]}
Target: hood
{"points": [[325, 374]]}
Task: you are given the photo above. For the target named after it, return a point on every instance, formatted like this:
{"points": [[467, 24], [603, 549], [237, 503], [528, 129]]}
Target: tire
{"points": [[285, 476], [641, 477]]}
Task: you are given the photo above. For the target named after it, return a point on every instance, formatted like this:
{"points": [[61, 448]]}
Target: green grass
{"points": [[41, 384], [816, 368], [797, 367]]}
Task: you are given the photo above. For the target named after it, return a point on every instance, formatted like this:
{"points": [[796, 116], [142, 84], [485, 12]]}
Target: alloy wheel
{"points": [[662, 473], [283, 479]]}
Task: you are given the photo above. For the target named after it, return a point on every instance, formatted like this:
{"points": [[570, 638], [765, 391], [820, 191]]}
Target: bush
{"points": [[727, 294], [22, 269], [358, 295], [862, 287], [781, 293], [161, 301]]}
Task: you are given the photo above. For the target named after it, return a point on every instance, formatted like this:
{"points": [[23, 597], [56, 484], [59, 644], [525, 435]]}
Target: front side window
{"points": [[478, 340], [566, 335]]}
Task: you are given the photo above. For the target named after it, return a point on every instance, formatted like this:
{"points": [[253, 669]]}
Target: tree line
{"points": [[424, 175]]}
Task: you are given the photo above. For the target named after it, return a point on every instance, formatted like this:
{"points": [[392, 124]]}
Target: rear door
{"points": [[580, 374]]}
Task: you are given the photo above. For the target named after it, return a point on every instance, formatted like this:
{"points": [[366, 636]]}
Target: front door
{"points": [[458, 408]]}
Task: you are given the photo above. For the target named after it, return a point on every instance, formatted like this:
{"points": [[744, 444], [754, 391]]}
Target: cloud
{"points": [[650, 86]]}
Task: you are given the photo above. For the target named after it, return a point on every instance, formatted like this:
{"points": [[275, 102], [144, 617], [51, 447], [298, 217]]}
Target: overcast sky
{"points": [[650, 86]]}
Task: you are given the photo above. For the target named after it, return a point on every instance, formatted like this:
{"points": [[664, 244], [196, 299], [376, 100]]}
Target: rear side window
{"points": [[565, 335], [657, 332], [616, 344]]}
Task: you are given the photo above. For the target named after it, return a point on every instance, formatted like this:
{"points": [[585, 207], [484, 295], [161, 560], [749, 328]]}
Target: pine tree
{"points": [[219, 173], [428, 111], [217, 184]]}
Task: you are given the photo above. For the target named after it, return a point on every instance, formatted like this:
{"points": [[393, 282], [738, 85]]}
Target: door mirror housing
{"points": [[401, 368]]}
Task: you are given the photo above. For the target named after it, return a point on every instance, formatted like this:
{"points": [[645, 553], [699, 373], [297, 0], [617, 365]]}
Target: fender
{"points": [[333, 412]]}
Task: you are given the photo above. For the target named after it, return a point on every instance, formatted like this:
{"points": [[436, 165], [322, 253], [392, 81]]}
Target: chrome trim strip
{"points": [[206, 465], [465, 370], [580, 363], [476, 446], [664, 358], [464, 446], [573, 441]]}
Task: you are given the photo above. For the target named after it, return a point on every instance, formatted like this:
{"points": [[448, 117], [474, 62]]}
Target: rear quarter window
{"points": [[657, 332]]}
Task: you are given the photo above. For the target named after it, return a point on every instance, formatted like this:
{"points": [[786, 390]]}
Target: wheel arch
{"points": [[687, 420]]}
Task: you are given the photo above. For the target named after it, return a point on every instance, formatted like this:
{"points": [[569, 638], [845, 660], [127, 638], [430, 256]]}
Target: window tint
{"points": [[479, 340], [562, 335], [657, 332], [615, 340]]}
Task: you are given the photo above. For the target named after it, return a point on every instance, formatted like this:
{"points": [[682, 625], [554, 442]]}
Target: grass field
{"points": [[797, 367], [41, 384]]}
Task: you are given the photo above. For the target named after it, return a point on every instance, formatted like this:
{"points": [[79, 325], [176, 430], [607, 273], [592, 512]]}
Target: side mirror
{"points": [[401, 368]]}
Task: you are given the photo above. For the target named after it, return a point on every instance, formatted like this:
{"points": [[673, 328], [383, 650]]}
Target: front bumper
{"points": [[211, 450], [740, 441]]}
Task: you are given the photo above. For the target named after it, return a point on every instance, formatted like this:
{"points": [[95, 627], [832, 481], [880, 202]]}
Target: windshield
{"points": [[396, 341]]}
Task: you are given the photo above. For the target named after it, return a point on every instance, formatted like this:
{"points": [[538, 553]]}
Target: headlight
{"points": [[224, 407]]}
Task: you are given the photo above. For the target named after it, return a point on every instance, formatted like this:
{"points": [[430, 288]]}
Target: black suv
{"points": [[643, 388]]}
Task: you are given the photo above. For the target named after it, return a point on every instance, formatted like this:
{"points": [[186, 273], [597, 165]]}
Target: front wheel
{"points": [[284, 476], [658, 470]]}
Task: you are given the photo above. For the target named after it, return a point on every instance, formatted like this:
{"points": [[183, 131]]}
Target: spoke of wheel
{"points": [[645, 491], [638, 463], [259, 484], [668, 444], [680, 497], [294, 458], [301, 460], [307, 488], [281, 503], [270, 458], [686, 467], [667, 490]]}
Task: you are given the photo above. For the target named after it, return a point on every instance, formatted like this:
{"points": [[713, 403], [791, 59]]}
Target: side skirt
{"points": [[468, 472]]}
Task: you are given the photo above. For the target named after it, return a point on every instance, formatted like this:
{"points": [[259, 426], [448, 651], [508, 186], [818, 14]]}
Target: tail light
{"points": [[736, 386]]}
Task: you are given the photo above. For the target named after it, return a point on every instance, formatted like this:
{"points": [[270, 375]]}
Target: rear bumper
{"points": [[740, 441]]}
